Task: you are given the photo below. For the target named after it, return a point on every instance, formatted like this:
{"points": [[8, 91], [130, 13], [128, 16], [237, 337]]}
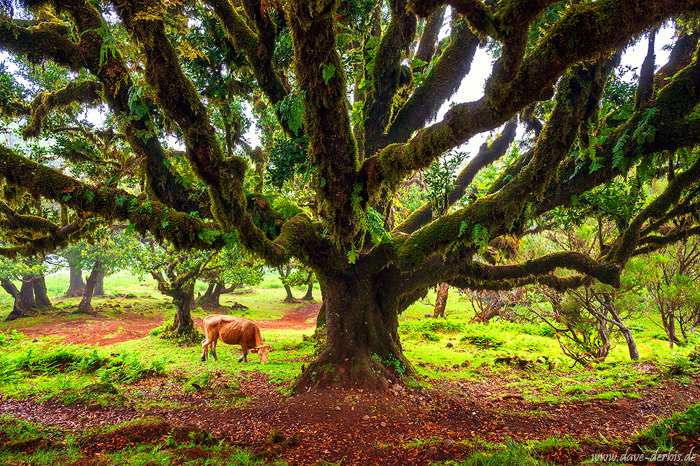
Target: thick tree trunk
{"points": [[76, 286], [183, 298], [220, 289], [441, 300], [212, 297], [205, 299], [290, 296], [100, 284], [309, 296], [13, 291], [25, 304], [41, 293], [85, 306], [362, 341], [26, 293]]}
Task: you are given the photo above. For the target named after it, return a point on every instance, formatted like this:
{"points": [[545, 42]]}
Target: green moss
{"points": [[87, 92]]}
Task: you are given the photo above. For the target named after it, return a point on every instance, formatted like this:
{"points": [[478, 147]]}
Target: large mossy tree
{"points": [[348, 92]]}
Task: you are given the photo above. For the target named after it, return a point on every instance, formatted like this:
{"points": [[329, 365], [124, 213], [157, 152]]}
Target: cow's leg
{"points": [[213, 349], [205, 349], [244, 356]]}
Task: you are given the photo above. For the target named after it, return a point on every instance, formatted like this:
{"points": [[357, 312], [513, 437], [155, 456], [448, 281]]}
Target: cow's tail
{"points": [[204, 327], [258, 337]]}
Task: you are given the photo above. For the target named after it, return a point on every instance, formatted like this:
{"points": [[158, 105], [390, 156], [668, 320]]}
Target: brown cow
{"points": [[234, 331]]}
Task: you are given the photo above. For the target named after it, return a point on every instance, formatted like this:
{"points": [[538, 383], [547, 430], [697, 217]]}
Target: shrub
{"points": [[483, 336]]}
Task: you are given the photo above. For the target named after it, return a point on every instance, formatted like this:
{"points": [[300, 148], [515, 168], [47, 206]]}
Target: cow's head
{"points": [[262, 351]]}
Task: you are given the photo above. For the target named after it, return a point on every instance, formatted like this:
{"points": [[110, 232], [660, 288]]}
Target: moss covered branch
{"points": [[478, 15], [45, 41], [258, 47], [487, 155], [47, 242], [387, 74], [503, 212], [111, 70], [619, 151], [25, 223], [332, 148], [542, 266], [181, 102], [553, 281], [87, 92], [438, 86], [182, 229], [585, 31]]}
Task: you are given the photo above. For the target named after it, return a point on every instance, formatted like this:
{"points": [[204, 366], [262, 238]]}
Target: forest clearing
{"points": [[468, 409], [468, 229]]}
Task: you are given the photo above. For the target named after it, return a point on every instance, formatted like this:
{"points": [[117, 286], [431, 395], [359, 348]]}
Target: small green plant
{"points": [[391, 361], [677, 428], [512, 454]]}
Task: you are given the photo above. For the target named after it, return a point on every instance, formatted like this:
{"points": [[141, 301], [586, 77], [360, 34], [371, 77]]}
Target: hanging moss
{"points": [[73, 93], [183, 229], [46, 41], [332, 148]]}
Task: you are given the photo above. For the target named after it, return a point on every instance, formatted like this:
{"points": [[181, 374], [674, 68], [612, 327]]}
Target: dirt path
{"points": [[106, 330], [384, 428], [400, 426]]}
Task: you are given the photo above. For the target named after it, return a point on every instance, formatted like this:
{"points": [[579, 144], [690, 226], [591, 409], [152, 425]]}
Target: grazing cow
{"points": [[234, 331]]}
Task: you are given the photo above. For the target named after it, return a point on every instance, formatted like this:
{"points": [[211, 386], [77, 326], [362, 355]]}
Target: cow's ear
{"points": [[253, 350]]}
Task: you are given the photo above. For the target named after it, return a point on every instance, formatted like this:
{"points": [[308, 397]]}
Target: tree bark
{"points": [[290, 297], [626, 332], [85, 305], [183, 298], [362, 341], [309, 296], [26, 293], [41, 295], [13, 291], [24, 302], [284, 273], [441, 300], [207, 294], [212, 296], [100, 284], [76, 286]]}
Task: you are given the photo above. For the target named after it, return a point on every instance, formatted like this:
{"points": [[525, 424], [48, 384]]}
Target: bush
{"points": [[677, 428], [483, 336], [432, 325], [428, 336]]}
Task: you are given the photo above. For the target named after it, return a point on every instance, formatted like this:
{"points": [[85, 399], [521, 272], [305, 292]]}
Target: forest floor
{"points": [[400, 426]]}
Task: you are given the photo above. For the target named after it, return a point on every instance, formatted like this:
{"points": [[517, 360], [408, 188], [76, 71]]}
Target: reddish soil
{"points": [[400, 426]]}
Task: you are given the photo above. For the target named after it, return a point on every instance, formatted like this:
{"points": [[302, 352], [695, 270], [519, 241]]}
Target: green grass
{"points": [[155, 443], [144, 373], [508, 454]]}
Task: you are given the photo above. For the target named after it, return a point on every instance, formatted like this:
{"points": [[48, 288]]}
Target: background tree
{"points": [[31, 297], [233, 266], [106, 255], [671, 278], [349, 94], [175, 273]]}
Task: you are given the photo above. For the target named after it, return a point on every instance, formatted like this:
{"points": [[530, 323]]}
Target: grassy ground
{"points": [[450, 349]]}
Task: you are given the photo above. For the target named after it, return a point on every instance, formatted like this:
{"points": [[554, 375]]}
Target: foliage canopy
{"points": [[344, 96]]}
